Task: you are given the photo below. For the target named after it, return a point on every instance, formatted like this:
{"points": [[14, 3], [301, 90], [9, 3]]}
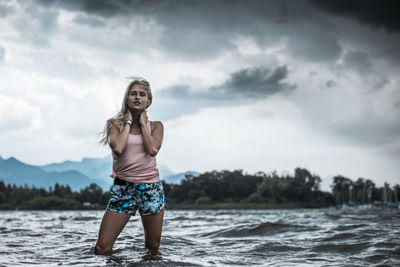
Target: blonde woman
{"points": [[135, 142]]}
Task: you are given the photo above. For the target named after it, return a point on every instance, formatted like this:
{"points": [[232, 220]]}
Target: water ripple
{"points": [[324, 237]]}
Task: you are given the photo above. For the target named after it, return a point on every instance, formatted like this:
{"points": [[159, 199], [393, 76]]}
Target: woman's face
{"points": [[137, 98]]}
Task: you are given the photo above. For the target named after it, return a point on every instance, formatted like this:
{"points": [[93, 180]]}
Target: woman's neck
{"points": [[135, 116]]}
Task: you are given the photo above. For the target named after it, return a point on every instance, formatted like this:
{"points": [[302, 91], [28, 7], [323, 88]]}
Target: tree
{"points": [[341, 189]]}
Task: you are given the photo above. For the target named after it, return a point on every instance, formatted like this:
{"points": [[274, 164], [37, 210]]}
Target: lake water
{"points": [[321, 237]]}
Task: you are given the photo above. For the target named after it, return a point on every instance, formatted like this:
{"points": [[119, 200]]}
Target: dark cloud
{"points": [[243, 86], [377, 14], [254, 83], [105, 8], [110, 8], [194, 31]]}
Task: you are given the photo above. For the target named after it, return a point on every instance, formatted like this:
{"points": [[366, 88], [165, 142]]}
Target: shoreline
{"points": [[223, 206], [177, 206]]}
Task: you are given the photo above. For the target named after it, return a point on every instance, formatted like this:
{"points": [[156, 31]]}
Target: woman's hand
{"points": [[143, 118]]}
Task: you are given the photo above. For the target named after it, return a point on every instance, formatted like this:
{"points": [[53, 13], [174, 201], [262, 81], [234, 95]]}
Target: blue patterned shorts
{"points": [[127, 197]]}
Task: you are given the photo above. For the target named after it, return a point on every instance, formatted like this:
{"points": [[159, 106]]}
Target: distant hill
{"points": [[94, 168], [13, 171], [77, 174], [177, 178], [101, 168]]}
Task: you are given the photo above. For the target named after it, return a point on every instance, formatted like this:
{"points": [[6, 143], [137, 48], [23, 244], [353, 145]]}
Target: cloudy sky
{"points": [[252, 85]]}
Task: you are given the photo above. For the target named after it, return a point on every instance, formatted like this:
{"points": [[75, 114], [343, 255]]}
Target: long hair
{"points": [[118, 120]]}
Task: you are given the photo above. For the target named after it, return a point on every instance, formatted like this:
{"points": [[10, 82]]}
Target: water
{"points": [[323, 237]]}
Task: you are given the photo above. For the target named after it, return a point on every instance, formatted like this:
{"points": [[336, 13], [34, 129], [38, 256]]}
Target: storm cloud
{"points": [[377, 14], [242, 86], [192, 31], [256, 82], [320, 73], [187, 35]]}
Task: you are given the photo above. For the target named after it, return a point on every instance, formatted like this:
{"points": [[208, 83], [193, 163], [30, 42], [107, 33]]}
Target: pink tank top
{"points": [[134, 164]]}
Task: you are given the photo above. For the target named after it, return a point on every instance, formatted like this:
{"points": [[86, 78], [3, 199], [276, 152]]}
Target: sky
{"points": [[252, 85]]}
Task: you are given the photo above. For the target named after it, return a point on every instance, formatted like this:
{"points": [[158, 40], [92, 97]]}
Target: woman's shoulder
{"points": [[155, 124], [114, 123]]}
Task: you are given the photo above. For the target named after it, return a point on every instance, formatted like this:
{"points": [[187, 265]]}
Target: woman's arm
{"points": [[117, 139], [152, 142]]}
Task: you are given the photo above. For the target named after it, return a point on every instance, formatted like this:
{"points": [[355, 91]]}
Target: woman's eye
{"points": [[142, 94]]}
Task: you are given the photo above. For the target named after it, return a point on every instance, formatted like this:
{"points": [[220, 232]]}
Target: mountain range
{"points": [[76, 174]]}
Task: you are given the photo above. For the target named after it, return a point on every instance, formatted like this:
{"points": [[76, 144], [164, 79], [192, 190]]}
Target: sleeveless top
{"points": [[134, 164]]}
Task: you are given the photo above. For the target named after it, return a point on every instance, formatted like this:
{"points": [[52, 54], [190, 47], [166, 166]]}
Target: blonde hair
{"points": [[118, 120]]}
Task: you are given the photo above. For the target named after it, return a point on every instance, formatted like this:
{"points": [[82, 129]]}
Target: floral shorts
{"points": [[128, 197]]}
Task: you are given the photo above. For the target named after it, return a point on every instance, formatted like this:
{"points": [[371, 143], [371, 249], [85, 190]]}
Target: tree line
{"points": [[363, 191], [61, 197], [213, 187], [235, 186]]}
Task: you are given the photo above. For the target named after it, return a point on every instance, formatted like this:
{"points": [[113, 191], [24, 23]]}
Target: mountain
{"points": [[13, 171], [177, 178], [101, 168], [77, 174], [94, 168]]}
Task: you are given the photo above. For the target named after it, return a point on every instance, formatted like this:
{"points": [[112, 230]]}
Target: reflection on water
{"points": [[208, 238]]}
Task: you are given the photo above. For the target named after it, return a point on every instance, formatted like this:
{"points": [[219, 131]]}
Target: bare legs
{"points": [[152, 225], [113, 223]]}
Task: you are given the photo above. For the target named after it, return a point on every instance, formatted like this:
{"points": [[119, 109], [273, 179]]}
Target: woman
{"points": [[135, 141]]}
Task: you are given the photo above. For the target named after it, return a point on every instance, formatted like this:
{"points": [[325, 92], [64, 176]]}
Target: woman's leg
{"points": [[112, 224], [152, 225]]}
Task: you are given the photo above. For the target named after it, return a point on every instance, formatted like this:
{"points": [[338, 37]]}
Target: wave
{"points": [[348, 227], [274, 247], [85, 218], [262, 229], [340, 236], [341, 248]]}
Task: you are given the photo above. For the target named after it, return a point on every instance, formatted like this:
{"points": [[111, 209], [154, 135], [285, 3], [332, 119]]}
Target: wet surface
{"points": [[329, 237]]}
